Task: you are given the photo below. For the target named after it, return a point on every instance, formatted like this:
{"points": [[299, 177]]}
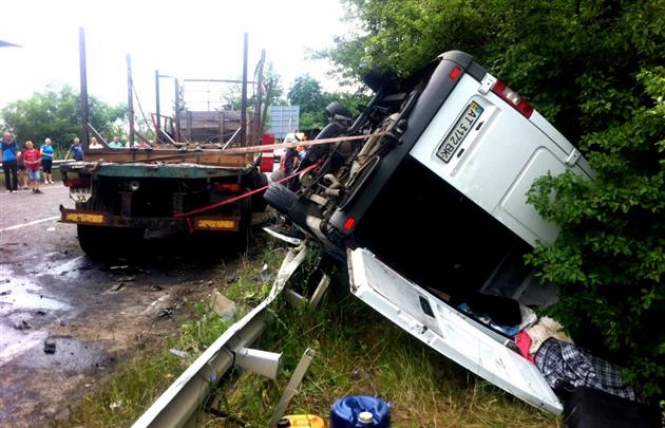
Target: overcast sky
{"points": [[188, 39]]}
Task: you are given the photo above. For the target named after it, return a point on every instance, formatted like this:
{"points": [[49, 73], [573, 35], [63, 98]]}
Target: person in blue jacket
{"points": [[9, 161], [47, 152], [76, 149]]}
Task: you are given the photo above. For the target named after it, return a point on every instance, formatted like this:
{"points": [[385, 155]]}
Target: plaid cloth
{"points": [[564, 363]]}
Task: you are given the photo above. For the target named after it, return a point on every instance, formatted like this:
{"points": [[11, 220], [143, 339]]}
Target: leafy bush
{"points": [[609, 258]]}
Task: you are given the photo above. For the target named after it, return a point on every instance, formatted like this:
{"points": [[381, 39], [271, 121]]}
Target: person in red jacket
{"points": [[32, 159]]}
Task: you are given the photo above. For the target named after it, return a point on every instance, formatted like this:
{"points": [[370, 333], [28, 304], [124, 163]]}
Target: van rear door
{"points": [[492, 153], [447, 330]]}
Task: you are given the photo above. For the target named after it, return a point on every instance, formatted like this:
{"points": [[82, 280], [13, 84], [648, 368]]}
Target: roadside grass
{"points": [[357, 351], [360, 352]]}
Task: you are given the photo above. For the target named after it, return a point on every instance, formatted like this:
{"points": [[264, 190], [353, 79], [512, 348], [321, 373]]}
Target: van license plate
{"points": [[454, 139]]}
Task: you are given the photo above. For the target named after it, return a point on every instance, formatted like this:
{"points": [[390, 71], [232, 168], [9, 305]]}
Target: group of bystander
{"points": [[22, 168]]}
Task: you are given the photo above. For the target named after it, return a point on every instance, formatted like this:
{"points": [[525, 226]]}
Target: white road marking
{"points": [[18, 226]]}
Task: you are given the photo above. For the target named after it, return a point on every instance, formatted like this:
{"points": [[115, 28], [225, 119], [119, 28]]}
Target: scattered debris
{"points": [[231, 278], [165, 313], [179, 353], [49, 346], [23, 325], [156, 287], [120, 267], [127, 279], [115, 404], [40, 312], [158, 307], [118, 286], [211, 283], [265, 277], [222, 305]]}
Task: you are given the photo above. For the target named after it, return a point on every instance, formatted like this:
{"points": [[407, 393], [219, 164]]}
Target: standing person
{"points": [[76, 149], [116, 144], [32, 159], [48, 152], [94, 144], [9, 162], [22, 174]]}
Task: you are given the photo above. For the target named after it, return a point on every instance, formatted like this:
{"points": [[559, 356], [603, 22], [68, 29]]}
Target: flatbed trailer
{"points": [[185, 180], [124, 193]]}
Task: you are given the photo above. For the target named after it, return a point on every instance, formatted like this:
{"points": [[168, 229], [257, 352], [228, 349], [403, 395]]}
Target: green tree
{"points": [[609, 260], [402, 36], [306, 92], [274, 87], [56, 114]]}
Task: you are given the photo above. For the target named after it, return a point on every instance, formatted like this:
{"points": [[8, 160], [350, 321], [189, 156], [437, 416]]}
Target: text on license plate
{"points": [[464, 124]]}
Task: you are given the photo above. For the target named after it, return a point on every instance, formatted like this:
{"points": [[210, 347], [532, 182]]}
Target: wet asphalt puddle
{"points": [[26, 314]]}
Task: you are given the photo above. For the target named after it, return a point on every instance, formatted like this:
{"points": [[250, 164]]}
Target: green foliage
{"points": [[306, 92], [312, 120], [402, 36], [609, 257], [57, 114]]}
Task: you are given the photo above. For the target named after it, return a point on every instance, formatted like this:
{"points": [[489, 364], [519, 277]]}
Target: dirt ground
{"points": [[92, 313]]}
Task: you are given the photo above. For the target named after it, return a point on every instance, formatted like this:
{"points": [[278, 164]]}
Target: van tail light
{"points": [[512, 98], [455, 73], [349, 223]]}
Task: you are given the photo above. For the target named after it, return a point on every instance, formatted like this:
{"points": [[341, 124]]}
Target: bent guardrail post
{"points": [[178, 405]]}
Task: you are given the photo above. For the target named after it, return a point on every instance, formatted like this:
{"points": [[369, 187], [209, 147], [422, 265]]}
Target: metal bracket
{"points": [[292, 387], [258, 361]]}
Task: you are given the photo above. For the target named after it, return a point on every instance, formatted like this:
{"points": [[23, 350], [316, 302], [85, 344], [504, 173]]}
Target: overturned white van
{"points": [[430, 212]]}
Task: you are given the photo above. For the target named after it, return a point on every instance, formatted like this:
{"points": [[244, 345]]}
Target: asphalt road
{"points": [[67, 320]]}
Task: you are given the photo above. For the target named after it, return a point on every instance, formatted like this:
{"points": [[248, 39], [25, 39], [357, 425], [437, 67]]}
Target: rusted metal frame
{"points": [[243, 196]]}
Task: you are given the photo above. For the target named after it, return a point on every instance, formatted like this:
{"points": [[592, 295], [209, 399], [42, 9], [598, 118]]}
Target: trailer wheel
{"points": [[103, 241]]}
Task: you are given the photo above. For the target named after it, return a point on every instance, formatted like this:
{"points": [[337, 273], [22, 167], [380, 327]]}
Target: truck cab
{"points": [[430, 215]]}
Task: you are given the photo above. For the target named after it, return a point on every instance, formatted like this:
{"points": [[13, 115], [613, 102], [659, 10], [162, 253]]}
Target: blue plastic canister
{"points": [[360, 411]]}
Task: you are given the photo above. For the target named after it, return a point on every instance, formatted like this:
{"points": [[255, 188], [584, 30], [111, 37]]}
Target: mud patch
{"points": [[67, 354]]}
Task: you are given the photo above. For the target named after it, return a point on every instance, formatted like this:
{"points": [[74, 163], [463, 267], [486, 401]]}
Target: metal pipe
{"points": [[130, 101], [157, 112], [84, 87], [243, 100], [177, 109]]}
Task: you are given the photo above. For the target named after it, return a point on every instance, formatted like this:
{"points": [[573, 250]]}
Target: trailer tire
{"points": [[104, 241]]}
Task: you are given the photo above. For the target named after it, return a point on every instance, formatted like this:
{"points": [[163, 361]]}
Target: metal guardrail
{"points": [[178, 405]]}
